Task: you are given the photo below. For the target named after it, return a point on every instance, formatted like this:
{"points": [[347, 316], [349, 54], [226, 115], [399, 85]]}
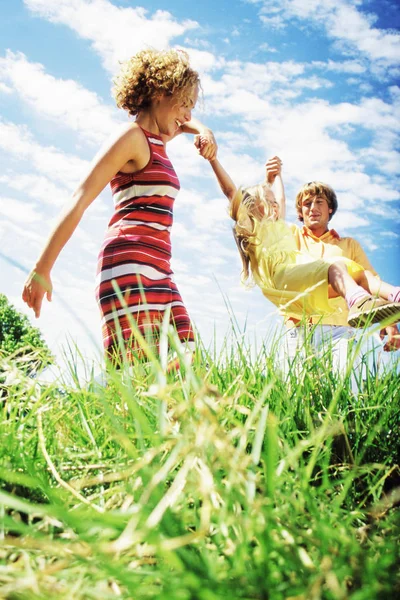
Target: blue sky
{"points": [[314, 81]]}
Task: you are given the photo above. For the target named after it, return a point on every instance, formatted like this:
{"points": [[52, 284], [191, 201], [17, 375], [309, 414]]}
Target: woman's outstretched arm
{"points": [[126, 148]]}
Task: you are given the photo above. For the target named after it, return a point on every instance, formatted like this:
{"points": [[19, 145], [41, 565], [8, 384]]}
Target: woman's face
{"points": [[173, 111]]}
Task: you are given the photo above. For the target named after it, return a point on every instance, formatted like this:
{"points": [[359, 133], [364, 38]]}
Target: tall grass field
{"points": [[226, 479]]}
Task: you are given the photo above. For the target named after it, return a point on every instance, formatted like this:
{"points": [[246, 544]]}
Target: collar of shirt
{"points": [[331, 233]]}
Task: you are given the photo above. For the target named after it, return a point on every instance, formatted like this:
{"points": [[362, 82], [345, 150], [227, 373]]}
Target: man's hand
{"points": [[273, 167], [393, 338]]}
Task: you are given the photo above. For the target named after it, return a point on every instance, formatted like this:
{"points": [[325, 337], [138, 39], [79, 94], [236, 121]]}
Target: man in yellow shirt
{"points": [[316, 203]]}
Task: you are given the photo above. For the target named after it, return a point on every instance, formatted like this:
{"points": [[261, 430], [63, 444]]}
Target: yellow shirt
{"points": [[327, 245]]}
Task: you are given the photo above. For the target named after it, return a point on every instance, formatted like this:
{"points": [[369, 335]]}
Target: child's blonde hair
{"points": [[254, 203]]}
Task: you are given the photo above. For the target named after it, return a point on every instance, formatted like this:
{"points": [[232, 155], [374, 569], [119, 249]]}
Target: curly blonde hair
{"points": [[152, 72], [313, 189], [245, 209]]}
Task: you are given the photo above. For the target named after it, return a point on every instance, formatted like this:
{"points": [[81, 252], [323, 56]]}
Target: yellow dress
{"points": [[293, 280]]}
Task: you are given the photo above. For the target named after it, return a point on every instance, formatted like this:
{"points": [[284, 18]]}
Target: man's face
{"points": [[316, 212]]}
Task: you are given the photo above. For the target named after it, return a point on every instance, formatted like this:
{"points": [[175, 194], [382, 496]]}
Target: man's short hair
{"points": [[316, 188]]}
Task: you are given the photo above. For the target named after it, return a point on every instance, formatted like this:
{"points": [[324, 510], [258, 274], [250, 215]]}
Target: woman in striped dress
{"points": [[136, 255], [160, 89]]}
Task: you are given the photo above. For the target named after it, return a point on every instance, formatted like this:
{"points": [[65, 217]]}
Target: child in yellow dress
{"points": [[293, 280]]}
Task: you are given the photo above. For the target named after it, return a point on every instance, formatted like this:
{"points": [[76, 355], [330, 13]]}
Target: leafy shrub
{"points": [[21, 341]]}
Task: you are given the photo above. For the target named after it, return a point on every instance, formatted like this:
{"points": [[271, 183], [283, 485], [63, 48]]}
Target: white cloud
{"points": [[365, 88], [209, 214], [5, 89], [197, 281], [240, 101], [48, 160], [260, 78], [255, 89], [369, 244], [213, 261], [345, 220], [185, 157], [24, 241], [38, 187], [243, 168], [394, 91], [387, 159], [203, 61], [347, 66], [391, 234], [267, 48], [116, 33], [65, 102], [276, 22], [307, 136], [197, 43], [10, 207], [342, 22], [312, 82], [188, 198]]}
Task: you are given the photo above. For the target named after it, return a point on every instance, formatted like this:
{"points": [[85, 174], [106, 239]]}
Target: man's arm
{"points": [[393, 338]]}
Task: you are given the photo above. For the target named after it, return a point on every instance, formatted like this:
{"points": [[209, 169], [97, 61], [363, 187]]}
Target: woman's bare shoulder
{"points": [[129, 142], [129, 131]]}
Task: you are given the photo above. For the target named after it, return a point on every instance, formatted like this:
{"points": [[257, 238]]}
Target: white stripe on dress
{"points": [[140, 308], [148, 224], [145, 191], [130, 269], [156, 141]]}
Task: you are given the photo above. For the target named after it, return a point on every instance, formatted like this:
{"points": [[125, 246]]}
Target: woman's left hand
{"points": [[206, 144]]}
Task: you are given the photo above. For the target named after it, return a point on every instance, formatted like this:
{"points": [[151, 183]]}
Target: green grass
{"points": [[226, 480]]}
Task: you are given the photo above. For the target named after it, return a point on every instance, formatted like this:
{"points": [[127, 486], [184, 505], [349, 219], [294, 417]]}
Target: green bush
{"points": [[19, 339]]}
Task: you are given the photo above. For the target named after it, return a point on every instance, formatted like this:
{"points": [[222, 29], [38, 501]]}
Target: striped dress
{"points": [[136, 255]]}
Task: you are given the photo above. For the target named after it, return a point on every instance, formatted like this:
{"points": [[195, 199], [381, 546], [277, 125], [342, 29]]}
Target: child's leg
{"points": [[342, 283], [357, 289], [380, 288]]}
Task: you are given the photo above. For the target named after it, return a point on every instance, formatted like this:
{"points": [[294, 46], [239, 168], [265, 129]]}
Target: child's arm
{"points": [[274, 175], [224, 180]]}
